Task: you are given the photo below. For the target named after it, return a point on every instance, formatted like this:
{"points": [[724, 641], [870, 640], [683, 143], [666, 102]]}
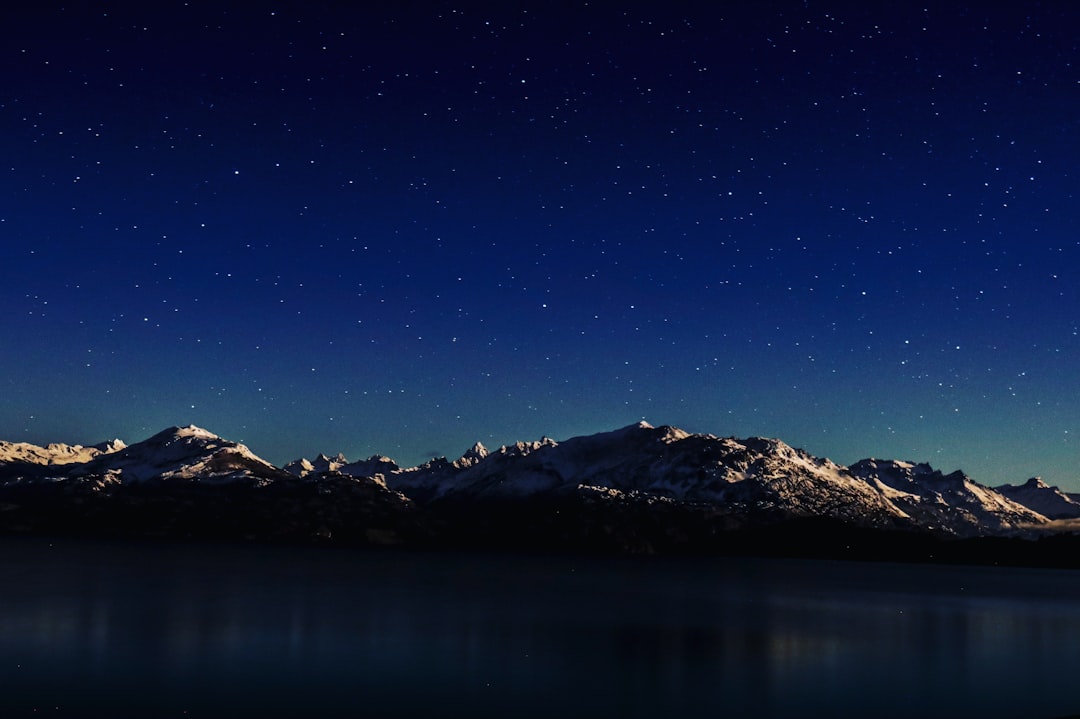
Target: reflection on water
{"points": [[165, 630]]}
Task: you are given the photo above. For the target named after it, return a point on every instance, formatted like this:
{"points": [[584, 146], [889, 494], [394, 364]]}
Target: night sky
{"points": [[320, 227]]}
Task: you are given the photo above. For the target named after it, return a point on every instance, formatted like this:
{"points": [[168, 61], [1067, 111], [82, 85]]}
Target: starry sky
{"points": [[405, 227]]}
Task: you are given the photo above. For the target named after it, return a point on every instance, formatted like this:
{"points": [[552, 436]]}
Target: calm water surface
{"points": [[111, 629]]}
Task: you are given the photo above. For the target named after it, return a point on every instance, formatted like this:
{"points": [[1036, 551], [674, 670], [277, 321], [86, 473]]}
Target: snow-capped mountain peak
{"points": [[321, 464], [190, 431], [1040, 497], [112, 445], [189, 453], [472, 456], [374, 465]]}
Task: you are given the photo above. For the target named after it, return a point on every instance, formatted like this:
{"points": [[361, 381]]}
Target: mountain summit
{"points": [[182, 453], [1041, 497]]}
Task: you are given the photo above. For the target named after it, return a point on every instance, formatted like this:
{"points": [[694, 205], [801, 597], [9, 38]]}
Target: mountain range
{"points": [[639, 488]]}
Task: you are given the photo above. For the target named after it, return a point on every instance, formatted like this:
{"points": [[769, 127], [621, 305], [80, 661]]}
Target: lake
{"points": [[95, 628]]}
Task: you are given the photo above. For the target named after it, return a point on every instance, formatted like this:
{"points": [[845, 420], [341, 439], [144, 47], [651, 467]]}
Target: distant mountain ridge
{"points": [[54, 453], [617, 486], [755, 475]]}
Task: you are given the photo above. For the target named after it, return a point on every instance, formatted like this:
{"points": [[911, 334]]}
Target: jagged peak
{"points": [[472, 456], [477, 450], [112, 445], [526, 447]]}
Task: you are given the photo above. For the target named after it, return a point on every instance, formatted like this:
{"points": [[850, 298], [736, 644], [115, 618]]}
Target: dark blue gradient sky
{"points": [[314, 227]]}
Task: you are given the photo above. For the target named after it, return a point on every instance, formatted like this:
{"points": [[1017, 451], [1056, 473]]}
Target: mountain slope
{"points": [[951, 502]]}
